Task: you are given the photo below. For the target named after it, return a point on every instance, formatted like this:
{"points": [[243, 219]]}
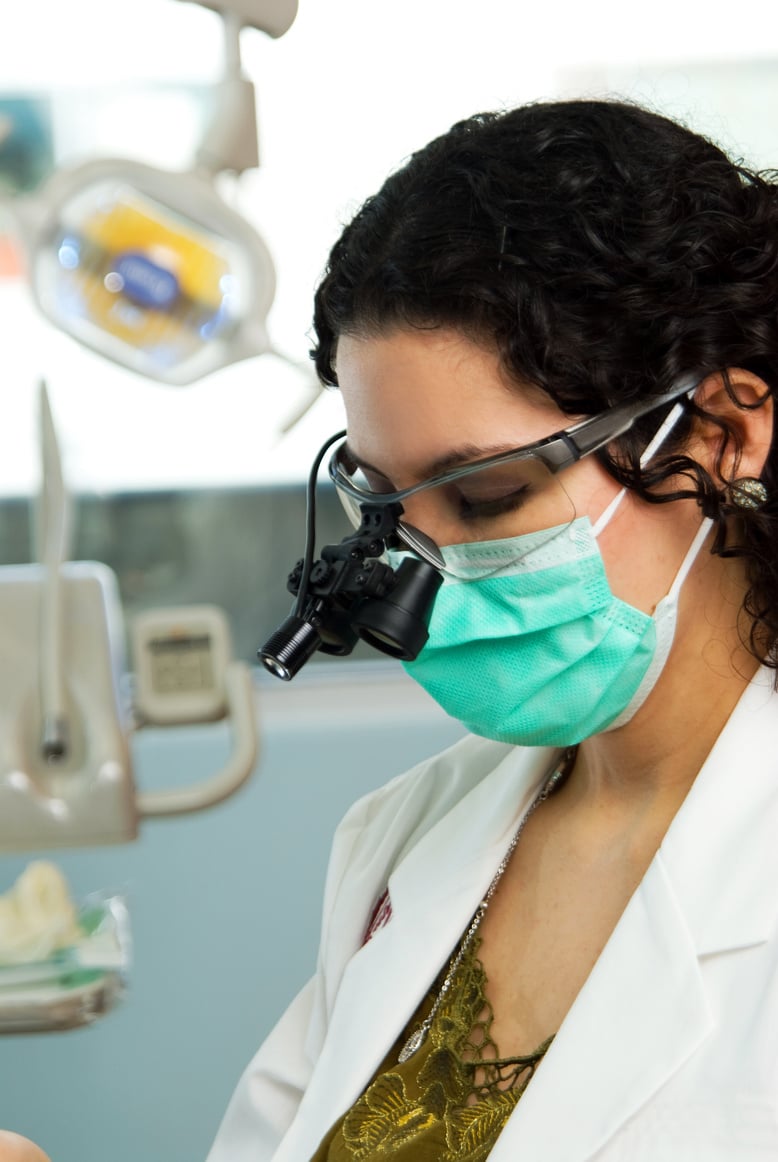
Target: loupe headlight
{"points": [[288, 649]]}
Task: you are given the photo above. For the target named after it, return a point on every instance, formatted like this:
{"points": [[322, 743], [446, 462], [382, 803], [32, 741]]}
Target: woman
{"points": [[606, 629]]}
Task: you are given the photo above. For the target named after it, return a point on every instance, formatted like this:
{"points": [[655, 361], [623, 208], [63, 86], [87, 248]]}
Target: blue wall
{"points": [[225, 909]]}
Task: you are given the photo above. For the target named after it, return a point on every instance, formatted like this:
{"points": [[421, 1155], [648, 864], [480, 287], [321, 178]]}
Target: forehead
{"points": [[414, 396]]}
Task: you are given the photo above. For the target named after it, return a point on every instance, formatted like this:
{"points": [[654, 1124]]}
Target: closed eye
{"points": [[483, 507]]}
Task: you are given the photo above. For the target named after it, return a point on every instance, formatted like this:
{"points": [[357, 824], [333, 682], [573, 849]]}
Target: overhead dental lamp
{"points": [[151, 268]]}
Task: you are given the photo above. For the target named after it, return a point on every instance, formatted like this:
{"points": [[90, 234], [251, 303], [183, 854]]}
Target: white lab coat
{"points": [[670, 1051]]}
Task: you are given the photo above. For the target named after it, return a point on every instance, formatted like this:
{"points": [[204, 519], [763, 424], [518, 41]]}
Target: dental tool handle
{"points": [[55, 732], [52, 547]]}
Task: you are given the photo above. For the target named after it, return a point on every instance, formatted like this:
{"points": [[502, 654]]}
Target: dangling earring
{"points": [[746, 493]]}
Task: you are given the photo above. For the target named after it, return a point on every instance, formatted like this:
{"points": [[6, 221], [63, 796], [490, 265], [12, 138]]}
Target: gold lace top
{"points": [[450, 1100]]}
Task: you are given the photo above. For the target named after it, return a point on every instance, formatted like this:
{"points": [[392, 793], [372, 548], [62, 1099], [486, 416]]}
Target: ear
{"points": [[744, 402]]}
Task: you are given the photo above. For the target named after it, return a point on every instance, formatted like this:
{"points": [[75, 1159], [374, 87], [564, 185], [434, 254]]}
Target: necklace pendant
{"points": [[414, 1042]]}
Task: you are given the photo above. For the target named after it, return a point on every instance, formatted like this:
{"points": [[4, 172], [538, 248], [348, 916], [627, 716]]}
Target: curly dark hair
{"points": [[604, 251]]}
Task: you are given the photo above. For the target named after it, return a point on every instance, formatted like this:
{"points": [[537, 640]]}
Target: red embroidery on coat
{"points": [[380, 916]]}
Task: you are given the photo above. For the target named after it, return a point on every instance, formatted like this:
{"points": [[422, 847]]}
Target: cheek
{"points": [[644, 546], [589, 487]]}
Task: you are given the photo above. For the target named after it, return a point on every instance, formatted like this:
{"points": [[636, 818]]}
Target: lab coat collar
{"points": [[644, 1010]]}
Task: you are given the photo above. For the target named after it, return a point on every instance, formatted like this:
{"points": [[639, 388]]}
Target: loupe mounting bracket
{"points": [[349, 570]]}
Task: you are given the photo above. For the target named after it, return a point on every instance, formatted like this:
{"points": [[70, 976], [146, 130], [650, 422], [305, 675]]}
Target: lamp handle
{"points": [[245, 749]]}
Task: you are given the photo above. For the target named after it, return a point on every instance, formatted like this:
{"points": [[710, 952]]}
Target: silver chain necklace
{"points": [[551, 784]]}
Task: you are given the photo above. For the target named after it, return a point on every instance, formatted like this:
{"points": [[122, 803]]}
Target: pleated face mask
{"points": [[540, 652]]}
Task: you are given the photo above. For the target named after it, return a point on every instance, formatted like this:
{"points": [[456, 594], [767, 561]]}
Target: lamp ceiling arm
{"points": [[274, 17], [230, 142]]}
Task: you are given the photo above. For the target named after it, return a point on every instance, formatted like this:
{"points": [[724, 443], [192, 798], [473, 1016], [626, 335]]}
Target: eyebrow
{"points": [[466, 454]]}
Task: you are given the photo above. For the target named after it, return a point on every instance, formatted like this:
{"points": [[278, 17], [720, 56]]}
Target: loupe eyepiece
{"points": [[288, 649], [398, 623]]}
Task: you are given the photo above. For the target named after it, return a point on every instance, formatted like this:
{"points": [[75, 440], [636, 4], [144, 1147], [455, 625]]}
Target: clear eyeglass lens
{"points": [[476, 519]]}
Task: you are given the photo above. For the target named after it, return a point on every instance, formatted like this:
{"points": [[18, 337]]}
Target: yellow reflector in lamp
{"points": [[151, 269]]}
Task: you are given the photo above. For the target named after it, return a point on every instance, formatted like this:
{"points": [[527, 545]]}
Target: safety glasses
{"points": [[502, 496]]}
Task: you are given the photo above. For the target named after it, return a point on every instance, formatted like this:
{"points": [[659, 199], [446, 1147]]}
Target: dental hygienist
{"points": [[558, 940]]}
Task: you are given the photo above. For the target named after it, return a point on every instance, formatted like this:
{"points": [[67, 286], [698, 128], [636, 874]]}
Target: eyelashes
{"points": [[471, 508]]}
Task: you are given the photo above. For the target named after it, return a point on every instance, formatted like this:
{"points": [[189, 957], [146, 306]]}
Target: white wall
{"points": [[343, 97]]}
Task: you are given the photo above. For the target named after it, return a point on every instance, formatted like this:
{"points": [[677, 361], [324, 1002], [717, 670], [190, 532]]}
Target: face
{"points": [[417, 400]]}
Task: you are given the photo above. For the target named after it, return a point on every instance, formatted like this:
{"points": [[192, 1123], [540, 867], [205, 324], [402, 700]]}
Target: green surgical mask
{"points": [[542, 653]]}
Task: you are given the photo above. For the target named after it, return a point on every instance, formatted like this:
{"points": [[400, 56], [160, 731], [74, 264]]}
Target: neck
{"points": [[657, 755]]}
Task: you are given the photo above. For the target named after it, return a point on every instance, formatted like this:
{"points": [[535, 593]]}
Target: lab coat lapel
{"points": [[434, 893], [641, 1013], [645, 1009]]}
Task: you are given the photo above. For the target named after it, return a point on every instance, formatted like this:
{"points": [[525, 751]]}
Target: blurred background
{"points": [[194, 493]]}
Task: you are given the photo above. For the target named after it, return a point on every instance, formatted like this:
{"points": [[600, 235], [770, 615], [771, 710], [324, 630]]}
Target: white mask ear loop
{"points": [[691, 556], [661, 434]]}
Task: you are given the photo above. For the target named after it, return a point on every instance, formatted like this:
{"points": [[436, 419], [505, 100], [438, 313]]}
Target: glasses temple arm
{"points": [[593, 433]]}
